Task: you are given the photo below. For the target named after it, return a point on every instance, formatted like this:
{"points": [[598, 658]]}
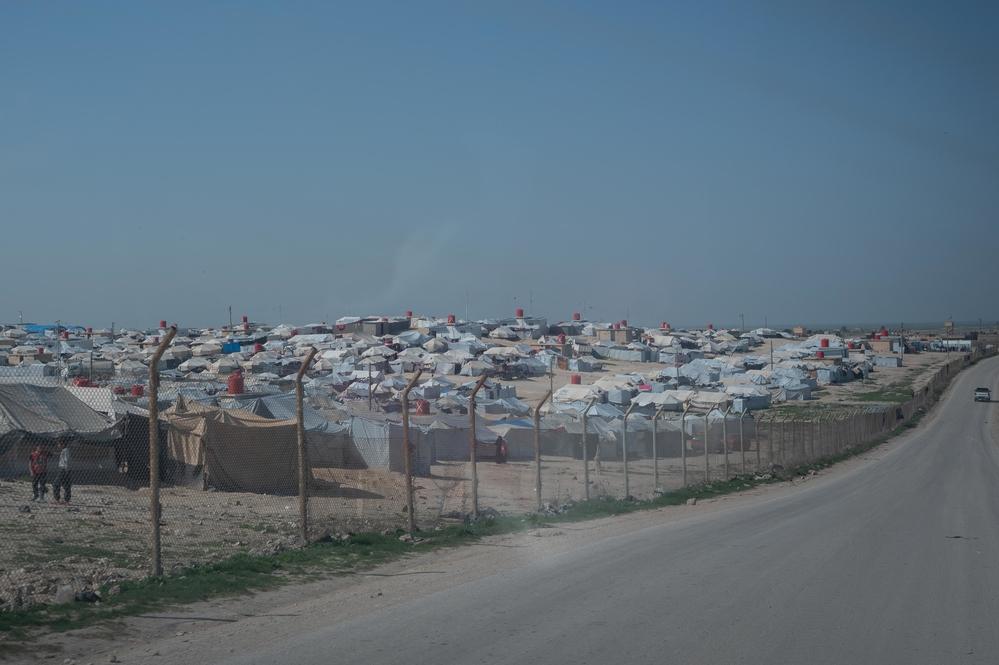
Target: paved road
{"points": [[894, 562]]}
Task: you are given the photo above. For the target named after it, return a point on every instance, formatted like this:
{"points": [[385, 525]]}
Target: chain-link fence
{"points": [[106, 481]]}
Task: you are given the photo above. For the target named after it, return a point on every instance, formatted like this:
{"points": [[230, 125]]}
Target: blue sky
{"points": [[814, 162]]}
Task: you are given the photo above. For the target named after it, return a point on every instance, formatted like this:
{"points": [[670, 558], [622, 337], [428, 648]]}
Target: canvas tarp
{"points": [[232, 450], [51, 412]]}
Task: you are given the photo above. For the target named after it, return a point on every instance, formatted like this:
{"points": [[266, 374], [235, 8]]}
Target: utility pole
{"points": [[369, 385], [230, 318], [765, 324], [742, 323], [771, 357]]}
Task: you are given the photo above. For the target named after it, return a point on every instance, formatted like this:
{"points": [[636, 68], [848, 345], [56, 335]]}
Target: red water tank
{"points": [[294, 332], [666, 325], [65, 334], [824, 342], [711, 326], [409, 313], [850, 345], [162, 323], [90, 331], [236, 385], [422, 407], [246, 319], [118, 390], [258, 347], [519, 312], [450, 318], [576, 316], [575, 379], [41, 350], [137, 390], [246, 327], [561, 338], [617, 326], [624, 323], [663, 325], [820, 354]]}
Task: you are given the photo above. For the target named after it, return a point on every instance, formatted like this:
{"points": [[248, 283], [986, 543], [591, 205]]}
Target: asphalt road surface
{"points": [[893, 562]]}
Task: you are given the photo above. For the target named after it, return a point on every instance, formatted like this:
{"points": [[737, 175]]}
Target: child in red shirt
{"points": [[38, 465]]}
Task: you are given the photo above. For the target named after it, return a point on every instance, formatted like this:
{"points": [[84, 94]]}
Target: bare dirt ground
{"points": [[102, 538]]}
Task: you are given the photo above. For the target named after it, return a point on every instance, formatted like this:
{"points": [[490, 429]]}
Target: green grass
{"points": [[897, 393]]}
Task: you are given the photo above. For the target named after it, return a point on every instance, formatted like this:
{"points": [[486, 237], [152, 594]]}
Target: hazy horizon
{"points": [[680, 162]]}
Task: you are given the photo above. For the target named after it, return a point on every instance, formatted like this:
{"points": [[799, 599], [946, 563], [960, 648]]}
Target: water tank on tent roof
{"points": [[575, 379], [820, 354], [824, 342], [409, 313], [561, 338], [137, 390], [519, 312], [711, 326], [450, 318], [163, 323], [246, 319], [258, 347], [576, 316], [624, 323]]}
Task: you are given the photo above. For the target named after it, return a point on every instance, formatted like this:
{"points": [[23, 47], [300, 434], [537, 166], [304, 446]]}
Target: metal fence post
{"points": [[155, 545], [407, 454], [707, 462], [473, 455], [655, 450], [537, 447], [683, 442], [742, 441], [624, 450], [725, 441], [586, 454], [756, 443], [303, 482]]}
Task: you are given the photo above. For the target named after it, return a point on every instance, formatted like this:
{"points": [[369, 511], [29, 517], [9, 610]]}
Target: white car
{"points": [[983, 395]]}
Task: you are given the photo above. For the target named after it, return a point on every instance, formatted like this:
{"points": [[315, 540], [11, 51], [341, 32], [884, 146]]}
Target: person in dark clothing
{"points": [[501, 450], [64, 480], [38, 462]]}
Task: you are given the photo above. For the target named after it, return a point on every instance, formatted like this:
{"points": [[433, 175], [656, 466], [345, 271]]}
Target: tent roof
{"points": [[50, 411]]}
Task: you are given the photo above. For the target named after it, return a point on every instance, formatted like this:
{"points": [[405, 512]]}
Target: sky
{"points": [[814, 162]]}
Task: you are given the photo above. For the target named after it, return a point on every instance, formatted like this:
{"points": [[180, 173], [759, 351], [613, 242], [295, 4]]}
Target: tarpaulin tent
{"points": [[231, 450], [31, 414], [379, 445]]}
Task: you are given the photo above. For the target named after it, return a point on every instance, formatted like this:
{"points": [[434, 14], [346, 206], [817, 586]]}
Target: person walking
{"points": [[64, 479], [38, 462]]}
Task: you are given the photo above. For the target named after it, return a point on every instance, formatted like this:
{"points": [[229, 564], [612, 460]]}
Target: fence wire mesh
{"points": [[76, 497]]}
